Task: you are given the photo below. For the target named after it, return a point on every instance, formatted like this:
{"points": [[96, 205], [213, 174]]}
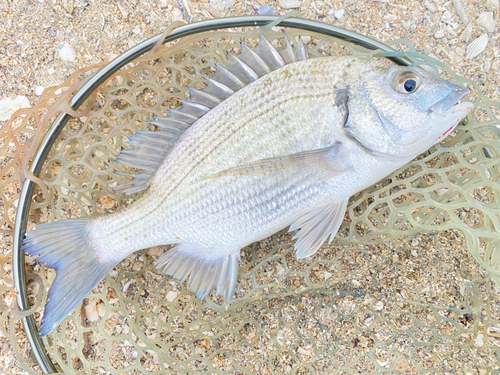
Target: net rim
{"points": [[99, 77]]}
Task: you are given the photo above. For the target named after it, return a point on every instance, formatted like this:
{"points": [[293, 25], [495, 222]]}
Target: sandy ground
{"points": [[42, 42]]}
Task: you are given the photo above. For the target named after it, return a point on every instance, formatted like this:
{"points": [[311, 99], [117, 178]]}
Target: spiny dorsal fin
{"points": [[151, 148], [253, 60], [269, 54], [287, 54], [240, 69], [301, 52], [226, 77]]}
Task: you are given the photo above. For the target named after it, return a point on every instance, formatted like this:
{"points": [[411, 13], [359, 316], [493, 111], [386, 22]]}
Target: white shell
{"points": [[8, 106], [66, 52], [461, 13], [467, 33], [290, 4], [221, 4], [492, 5], [430, 6], [485, 20], [477, 46]]}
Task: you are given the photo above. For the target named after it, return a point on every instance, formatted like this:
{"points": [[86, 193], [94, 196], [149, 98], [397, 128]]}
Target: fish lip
{"points": [[445, 104]]}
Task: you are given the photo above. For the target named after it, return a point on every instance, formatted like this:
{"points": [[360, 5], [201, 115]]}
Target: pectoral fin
{"points": [[320, 165], [316, 226]]}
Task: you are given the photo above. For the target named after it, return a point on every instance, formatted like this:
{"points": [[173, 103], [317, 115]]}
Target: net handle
{"points": [[18, 261]]}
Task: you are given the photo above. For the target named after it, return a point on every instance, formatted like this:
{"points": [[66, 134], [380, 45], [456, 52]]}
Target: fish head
{"points": [[402, 111]]}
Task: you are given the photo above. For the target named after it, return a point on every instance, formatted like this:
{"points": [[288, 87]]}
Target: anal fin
{"points": [[204, 275], [316, 226]]}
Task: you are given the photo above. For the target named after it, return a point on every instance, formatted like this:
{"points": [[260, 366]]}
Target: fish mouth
{"points": [[448, 102], [448, 107]]}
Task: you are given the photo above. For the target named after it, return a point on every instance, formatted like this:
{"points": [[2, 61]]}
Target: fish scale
{"points": [[182, 161], [245, 157]]}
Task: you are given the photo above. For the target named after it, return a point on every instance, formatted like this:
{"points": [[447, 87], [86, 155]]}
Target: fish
{"points": [[275, 139]]}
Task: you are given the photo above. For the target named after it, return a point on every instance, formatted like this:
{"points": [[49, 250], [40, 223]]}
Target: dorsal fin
{"points": [[301, 51], [269, 54], [287, 53], [240, 69], [226, 77], [203, 98], [253, 60], [217, 89], [149, 149]]}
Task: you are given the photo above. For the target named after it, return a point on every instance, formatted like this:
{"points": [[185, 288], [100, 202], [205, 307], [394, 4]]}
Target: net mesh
{"points": [[408, 285]]}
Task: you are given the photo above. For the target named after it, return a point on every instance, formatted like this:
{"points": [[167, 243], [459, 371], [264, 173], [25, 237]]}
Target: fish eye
{"points": [[410, 85], [406, 82]]}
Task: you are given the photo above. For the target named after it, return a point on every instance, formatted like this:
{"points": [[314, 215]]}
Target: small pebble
{"points": [[221, 4], [171, 296], [328, 275], [379, 306], [288, 4], [280, 269], [485, 20], [8, 106], [339, 14], [68, 6], [39, 90], [155, 251], [390, 17], [439, 34], [446, 16], [101, 309], [263, 9], [177, 14], [479, 340], [430, 6], [126, 286], [137, 30], [462, 14], [492, 5], [467, 33], [90, 311]]}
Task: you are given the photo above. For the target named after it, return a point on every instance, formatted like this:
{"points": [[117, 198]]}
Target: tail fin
{"points": [[63, 245]]}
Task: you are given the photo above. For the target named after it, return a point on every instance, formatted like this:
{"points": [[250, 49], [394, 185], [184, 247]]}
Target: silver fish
{"points": [[274, 140]]}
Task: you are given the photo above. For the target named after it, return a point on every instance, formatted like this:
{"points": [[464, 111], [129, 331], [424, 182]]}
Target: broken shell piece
{"points": [[485, 20], [467, 33], [66, 52], [492, 5], [459, 8], [477, 46], [90, 311], [289, 4]]}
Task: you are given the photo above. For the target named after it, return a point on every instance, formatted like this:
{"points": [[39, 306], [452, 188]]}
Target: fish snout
{"points": [[445, 104]]}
